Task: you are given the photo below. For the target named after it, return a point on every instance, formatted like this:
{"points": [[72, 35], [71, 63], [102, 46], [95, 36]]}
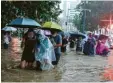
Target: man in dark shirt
{"points": [[57, 46], [79, 45]]}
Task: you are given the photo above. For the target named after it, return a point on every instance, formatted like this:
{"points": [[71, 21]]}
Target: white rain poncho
{"points": [[45, 55]]}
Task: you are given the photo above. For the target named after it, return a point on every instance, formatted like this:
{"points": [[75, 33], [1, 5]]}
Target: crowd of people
{"points": [[46, 51], [41, 49], [91, 46]]}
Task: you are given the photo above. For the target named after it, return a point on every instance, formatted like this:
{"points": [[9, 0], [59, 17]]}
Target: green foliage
{"points": [[76, 21], [41, 11], [98, 9]]}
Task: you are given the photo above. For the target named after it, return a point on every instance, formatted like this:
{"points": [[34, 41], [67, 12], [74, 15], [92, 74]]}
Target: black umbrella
{"points": [[77, 34], [24, 23]]}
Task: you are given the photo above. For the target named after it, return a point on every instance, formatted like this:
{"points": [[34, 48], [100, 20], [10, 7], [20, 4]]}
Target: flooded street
{"points": [[71, 68]]}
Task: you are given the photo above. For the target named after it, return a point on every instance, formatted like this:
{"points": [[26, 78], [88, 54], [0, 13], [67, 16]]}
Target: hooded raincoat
{"points": [[45, 54]]}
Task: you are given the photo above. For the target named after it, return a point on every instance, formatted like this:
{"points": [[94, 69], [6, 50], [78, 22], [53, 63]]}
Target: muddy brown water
{"points": [[72, 67]]}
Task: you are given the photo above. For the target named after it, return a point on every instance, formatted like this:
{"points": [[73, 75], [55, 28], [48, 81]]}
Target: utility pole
{"points": [[84, 22]]}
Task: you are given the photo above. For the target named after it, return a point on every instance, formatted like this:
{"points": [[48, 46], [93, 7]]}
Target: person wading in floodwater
{"points": [[44, 52], [79, 45], [29, 42], [57, 46], [72, 43]]}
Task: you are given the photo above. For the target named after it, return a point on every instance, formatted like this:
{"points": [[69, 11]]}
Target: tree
{"points": [[41, 11], [98, 9], [76, 21]]}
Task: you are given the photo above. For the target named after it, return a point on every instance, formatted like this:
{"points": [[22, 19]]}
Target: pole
{"points": [[84, 22]]}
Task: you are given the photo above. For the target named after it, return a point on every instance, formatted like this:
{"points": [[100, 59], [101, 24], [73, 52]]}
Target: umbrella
{"points": [[102, 37], [24, 23], [9, 28], [77, 34], [51, 26]]}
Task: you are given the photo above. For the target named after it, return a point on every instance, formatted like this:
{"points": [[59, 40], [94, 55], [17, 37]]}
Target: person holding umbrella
{"points": [[28, 41], [57, 46], [56, 39]]}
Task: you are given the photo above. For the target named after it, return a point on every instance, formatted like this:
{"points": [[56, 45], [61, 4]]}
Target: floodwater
{"points": [[108, 71], [72, 67]]}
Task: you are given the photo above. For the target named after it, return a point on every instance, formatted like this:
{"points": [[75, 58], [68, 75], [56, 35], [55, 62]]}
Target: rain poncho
{"points": [[45, 55], [101, 48], [88, 48]]}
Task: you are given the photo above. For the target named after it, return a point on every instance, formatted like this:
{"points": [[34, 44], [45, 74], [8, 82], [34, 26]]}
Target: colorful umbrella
{"points": [[9, 28], [24, 23], [51, 26]]}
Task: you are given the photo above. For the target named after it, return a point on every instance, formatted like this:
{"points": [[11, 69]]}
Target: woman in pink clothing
{"points": [[101, 49]]}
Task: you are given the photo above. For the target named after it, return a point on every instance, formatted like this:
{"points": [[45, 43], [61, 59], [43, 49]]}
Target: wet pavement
{"points": [[72, 67]]}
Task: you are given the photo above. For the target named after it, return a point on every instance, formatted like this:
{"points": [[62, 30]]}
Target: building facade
{"points": [[68, 15]]}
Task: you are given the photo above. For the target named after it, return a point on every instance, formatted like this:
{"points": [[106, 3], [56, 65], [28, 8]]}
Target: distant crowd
{"points": [[92, 45]]}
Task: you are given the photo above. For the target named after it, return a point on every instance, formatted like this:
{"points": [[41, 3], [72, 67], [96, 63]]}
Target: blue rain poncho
{"points": [[45, 54]]}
